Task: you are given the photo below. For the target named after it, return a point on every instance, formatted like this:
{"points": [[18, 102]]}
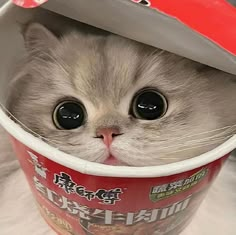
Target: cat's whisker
{"points": [[192, 146], [187, 149], [54, 142], [198, 144], [226, 128], [49, 141], [20, 123], [221, 134], [98, 157]]}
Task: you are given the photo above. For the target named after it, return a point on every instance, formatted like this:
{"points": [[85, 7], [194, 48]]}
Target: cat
{"points": [[111, 100], [102, 79]]}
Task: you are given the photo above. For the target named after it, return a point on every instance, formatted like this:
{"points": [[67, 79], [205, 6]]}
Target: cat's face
{"points": [[97, 97]]}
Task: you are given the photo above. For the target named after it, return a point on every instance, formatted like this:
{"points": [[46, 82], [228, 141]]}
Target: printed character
{"points": [[81, 191], [65, 182], [175, 185], [109, 196], [38, 167], [160, 189]]}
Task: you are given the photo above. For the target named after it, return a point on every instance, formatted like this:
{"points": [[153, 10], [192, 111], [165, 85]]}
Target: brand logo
{"points": [[164, 191]]}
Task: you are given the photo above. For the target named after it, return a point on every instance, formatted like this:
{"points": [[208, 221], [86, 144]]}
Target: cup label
{"points": [[78, 204]]}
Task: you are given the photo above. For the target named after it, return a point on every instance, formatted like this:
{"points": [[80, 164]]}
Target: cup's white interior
{"points": [[12, 49]]}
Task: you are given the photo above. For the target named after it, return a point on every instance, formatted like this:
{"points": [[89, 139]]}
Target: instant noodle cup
{"points": [[77, 197]]}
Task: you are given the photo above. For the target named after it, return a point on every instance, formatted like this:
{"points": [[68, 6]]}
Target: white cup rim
{"points": [[92, 168]]}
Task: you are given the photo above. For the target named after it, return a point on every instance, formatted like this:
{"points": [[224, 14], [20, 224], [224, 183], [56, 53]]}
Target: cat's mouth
{"points": [[113, 161]]}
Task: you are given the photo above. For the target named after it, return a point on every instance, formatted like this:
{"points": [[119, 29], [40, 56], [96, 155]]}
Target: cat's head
{"points": [[100, 96]]}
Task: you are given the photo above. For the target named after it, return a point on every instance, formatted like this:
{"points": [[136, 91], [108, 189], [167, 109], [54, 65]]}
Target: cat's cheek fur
{"points": [[89, 149], [128, 152]]}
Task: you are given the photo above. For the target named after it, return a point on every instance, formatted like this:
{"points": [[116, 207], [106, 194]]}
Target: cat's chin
{"points": [[113, 161]]}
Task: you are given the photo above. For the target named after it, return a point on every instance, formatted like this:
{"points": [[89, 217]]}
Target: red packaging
{"points": [[83, 204], [213, 19]]}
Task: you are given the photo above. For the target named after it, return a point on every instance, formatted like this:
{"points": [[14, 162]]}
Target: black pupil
{"points": [[150, 105], [70, 115]]}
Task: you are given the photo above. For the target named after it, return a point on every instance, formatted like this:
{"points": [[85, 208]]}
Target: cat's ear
{"points": [[39, 38]]}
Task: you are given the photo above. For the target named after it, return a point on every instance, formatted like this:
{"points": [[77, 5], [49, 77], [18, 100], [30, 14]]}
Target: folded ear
{"points": [[38, 38]]}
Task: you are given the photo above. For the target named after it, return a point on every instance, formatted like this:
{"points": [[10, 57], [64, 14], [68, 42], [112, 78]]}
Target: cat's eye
{"points": [[148, 104], [69, 115]]}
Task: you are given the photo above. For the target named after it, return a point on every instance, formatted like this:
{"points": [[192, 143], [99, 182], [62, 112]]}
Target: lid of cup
{"points": [[201, 30], [197, 29], [29, 3]]}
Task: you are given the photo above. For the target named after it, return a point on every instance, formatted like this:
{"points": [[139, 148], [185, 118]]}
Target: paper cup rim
{"points": [[97, 169], [92, 168]]}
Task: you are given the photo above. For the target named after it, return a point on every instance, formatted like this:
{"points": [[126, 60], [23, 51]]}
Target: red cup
{"points": [[83, 198]]}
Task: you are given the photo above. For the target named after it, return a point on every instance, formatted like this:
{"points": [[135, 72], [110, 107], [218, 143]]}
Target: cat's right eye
{"points": [[69, 115], [148, 104]]}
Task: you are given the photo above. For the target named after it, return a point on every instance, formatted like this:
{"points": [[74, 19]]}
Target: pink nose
{"points": [[107, 134]]}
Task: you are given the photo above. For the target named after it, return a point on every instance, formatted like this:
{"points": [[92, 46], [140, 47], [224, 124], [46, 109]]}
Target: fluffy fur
{"points": [[104, 73]]}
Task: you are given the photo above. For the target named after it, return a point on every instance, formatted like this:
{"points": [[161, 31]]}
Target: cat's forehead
{"points": [[104, 67], [107, 68]]}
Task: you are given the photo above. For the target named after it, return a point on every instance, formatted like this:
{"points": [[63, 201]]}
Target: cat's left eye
{"points": [[148, 104], [69, 115]]}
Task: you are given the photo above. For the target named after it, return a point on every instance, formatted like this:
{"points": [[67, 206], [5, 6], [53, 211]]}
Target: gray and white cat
{"points": [[109, 99]]}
